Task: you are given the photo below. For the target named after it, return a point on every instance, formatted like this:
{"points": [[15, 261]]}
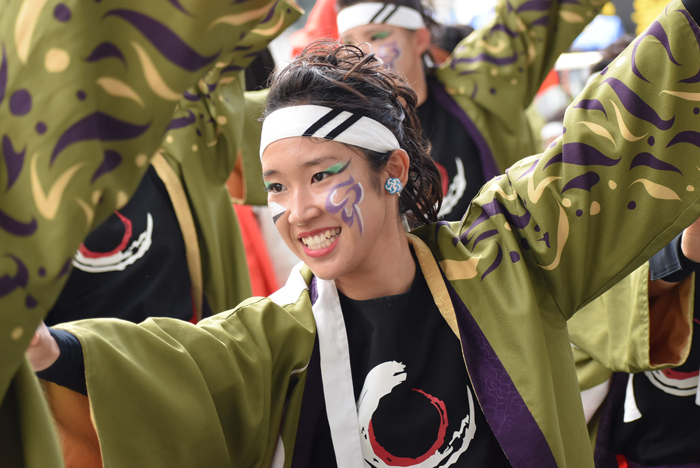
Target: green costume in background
{"points": [[87, 91], [539, 243], [493, 75]]}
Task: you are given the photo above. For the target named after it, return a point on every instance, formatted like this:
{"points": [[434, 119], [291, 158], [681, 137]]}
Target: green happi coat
{"points": [[88, 91], [537, 244], [493, 75]]}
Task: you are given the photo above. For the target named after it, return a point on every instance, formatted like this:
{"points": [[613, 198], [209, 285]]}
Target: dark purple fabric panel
{"points": [[488, 164], [312, 405], [510, 419], [604, 456]]}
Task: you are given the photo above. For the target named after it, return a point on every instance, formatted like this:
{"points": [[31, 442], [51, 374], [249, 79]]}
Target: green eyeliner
{"points": [[338, 168]]}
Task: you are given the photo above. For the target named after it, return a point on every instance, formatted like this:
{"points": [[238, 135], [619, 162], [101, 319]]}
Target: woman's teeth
{"points": [[321, 241]]}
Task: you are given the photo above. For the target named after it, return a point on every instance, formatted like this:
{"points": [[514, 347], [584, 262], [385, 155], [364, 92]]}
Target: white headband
{"points": [[380, 13], [330, 124]]}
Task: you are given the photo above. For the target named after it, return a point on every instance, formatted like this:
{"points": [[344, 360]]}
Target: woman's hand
{"points": [[690, 242], [43, 350]]}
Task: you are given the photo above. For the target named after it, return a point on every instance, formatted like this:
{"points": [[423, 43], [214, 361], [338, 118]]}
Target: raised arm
{"points": [[87, 90], [495, 72], [617, 187]]}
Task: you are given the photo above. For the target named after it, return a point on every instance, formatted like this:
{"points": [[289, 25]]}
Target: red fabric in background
{"points": [[321, 24], [262, 275]]}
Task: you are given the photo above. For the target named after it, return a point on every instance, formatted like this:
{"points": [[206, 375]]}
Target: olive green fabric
{"points": [[495, 72], [87, 91]]}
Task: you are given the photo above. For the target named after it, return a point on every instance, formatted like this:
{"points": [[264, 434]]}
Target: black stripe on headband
{"points": [[390, 13], [349, 122], [321, 122], [378, 13]]}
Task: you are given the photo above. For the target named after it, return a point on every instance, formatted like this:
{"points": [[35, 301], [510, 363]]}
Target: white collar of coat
{"points": [[334, 350]]}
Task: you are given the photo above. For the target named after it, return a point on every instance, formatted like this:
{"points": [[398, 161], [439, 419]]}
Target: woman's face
{"points": [[325, 206], [398, 47]]}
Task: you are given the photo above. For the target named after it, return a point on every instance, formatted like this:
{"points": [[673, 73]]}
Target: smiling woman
{"points": [[443, 347]]}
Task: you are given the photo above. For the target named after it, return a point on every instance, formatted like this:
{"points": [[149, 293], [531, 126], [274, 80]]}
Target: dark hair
{"points": [[425, 8], [343, 77]]}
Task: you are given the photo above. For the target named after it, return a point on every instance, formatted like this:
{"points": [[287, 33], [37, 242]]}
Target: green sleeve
{"points": [[620, 183], [495, 72], [216, 123], [87, 90], [626, 331], [168, 393]]}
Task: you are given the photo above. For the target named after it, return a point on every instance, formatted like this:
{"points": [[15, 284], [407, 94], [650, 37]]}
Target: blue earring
{"points": [[393, 186]]}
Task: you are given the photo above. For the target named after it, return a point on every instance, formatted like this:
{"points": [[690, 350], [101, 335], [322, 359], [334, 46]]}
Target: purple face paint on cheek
{"points": [[346, 197], [390, 53]]}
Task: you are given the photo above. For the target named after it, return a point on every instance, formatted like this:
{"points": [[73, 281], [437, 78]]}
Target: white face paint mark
{"points": [[276, 211]]}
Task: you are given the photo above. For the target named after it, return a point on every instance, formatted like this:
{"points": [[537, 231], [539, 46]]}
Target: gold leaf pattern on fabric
{"points": [[683, 95], [599, 130], [24, 26], [624, 131], [88, 210], [242, 18], [460, 269], [436, 284], [48, 204], [153, 78], [118, 88], [657, 190], [571, 17], [562, 237]]}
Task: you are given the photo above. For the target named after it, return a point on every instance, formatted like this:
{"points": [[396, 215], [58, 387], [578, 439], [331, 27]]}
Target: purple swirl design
{"points": [[543, 21], [179, 6], [270, 13], [97, 126], [17, 228], [545, 239], [504, 28], [648, 159], [167, 42], [181, 122], [106, 50], [496, 263], [535, 5], [636, 106], [688, 136], [350, 212], [13, 160], [494, 208], [65, 269], [440, 224], [110, 162], [485, 235], [190, 97], [590, 104], [486, 58], [20, 280], [584, 181], [3, 74], [696, 33], [581, 154], [530, 170], [656, 31]]}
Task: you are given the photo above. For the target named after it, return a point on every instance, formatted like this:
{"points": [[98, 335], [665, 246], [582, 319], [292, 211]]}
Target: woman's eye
{"points": [[319, 176], [381, 35], [274, 187]]}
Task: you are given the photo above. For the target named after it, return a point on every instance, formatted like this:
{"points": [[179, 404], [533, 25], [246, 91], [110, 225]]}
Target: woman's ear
{"points": [[421, 38], [398, 166]]}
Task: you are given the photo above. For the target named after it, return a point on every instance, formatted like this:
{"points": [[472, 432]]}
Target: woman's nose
{"points": [[304, 207]]}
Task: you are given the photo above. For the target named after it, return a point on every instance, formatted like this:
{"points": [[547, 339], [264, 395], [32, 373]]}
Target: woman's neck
{"points": [[391, 272]]}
